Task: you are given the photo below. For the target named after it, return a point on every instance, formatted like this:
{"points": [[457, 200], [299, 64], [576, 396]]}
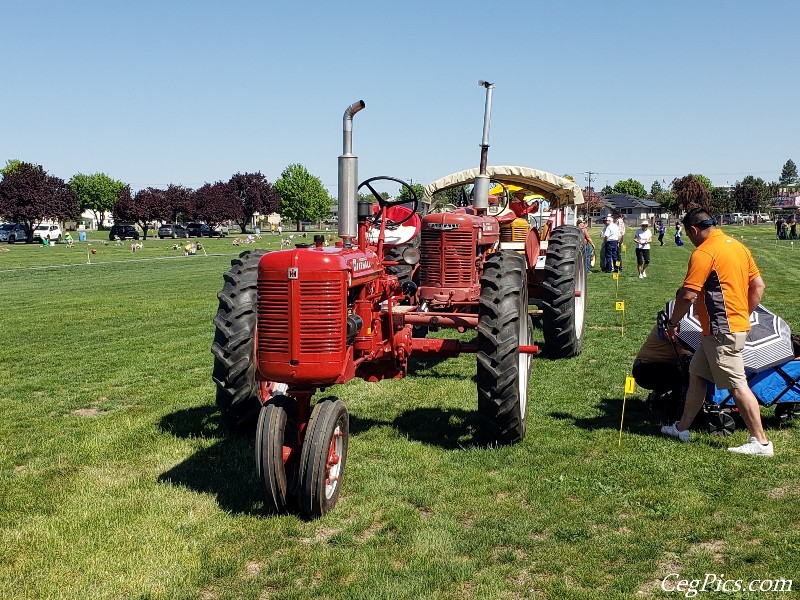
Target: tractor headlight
{"points": [[411, 256]]}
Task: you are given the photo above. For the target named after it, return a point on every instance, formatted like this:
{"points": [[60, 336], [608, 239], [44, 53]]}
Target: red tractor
{"points": [[315, 316]]}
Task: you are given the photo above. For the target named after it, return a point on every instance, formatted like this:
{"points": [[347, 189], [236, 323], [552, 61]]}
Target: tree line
{"points": [[29, 195], [750, 195]]}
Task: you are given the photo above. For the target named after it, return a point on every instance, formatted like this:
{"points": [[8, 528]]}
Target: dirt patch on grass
{"points": [[322, 535], [88, 412], [716, 548], [783, 491], [669, 563], [253, 568]]}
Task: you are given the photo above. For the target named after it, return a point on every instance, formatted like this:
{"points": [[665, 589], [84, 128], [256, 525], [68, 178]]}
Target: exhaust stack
{"points": [[348, 179], [480, 191]]}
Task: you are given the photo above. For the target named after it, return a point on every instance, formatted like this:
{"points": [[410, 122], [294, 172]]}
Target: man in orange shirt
{"points": [[725, 277]]}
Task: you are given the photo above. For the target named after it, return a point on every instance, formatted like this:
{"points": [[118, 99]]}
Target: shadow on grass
{"points": [[225, 469], [449, 429], [638, 417]]}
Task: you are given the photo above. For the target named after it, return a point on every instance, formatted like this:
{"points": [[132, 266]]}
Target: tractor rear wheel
{"points": [[323, 459], [564, 293], [234, 343], [503, 325], [277, 453]]}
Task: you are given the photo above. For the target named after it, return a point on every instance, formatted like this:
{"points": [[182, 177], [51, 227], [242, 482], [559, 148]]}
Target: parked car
{"points": [[13, 232], [204, 230], [198, 230], [762, 218], [172, 230], [51, 233], [218, 231], [123, 231]]}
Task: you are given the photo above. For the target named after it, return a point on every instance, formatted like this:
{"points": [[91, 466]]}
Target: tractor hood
{"points": [[558, 191]]}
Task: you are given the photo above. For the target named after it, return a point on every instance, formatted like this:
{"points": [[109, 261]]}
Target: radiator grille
{"points": [[273, 316], [322, 324], [448, 258]]}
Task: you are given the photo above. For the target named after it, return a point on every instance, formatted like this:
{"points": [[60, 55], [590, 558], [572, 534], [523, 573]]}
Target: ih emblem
{"points": [[293, 273]]}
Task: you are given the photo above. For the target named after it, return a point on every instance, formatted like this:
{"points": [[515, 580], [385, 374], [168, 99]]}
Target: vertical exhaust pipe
{"points": [[480, 192], [348, 179]]}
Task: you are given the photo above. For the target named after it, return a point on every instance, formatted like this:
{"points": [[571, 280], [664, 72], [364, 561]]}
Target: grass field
{"points": [[118, 480]]}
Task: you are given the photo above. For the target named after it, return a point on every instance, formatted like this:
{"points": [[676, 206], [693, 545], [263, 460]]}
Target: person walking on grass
{"points": [[588, 244], [643, 237], [661, 231], [723, 273], [610, 235]]}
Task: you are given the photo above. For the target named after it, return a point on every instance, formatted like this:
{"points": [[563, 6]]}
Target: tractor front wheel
{"points": [[503, 325], [234, 343], [564, 293], [277, 453], [323, 459]]}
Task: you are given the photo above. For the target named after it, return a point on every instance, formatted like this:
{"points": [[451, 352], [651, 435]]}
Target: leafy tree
{"points": [[302, 195], [250, 193], [656, 190], [752, 194], [607, 190], [11, 166], [146, 207], [211, 202], [405, 194], [594, 201], [630, 187], [704, 180], [721, 201], [691, 192], [97, 193], [449, 197], [179, 200], [788, 173], [29, 195]]}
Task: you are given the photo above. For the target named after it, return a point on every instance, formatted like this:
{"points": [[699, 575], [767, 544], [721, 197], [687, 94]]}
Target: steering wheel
{"points": [[367, 183]]}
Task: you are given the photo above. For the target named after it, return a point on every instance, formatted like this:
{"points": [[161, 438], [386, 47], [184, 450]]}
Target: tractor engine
{"points": [[453, 247], [319, 314]]}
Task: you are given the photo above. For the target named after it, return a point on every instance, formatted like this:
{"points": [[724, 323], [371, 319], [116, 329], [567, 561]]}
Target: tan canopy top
{"points": [[558, 191]]}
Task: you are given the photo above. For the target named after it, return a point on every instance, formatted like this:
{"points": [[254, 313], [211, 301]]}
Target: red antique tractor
{"points": [[315, 316]]}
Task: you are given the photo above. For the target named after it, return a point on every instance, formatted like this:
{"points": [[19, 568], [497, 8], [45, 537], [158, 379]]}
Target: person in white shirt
{"points": [[643, 237], [610, 236]]}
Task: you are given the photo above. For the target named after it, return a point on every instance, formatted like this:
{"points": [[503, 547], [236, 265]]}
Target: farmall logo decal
{"points": [[443, 226], [360, 264]]}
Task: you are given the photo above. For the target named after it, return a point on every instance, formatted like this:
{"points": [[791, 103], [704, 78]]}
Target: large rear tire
{"points": [[234, 343], [564, 293], [503, 325], [277, 453], [323, 459]]}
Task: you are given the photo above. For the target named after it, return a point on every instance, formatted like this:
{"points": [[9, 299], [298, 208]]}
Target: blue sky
{"points": [[154, 93]]}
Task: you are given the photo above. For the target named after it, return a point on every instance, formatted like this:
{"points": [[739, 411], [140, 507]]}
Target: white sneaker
{"points": [[672, 431], [754, 448], [644, 273], [641, 275]]}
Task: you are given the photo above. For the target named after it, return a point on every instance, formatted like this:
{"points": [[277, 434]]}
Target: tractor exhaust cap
{"points": [[348, 177]]}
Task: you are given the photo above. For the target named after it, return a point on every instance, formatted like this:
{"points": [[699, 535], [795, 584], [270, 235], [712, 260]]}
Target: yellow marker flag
{"points": [[630, 387], [621, 305], [624, 247], [615, 275]]}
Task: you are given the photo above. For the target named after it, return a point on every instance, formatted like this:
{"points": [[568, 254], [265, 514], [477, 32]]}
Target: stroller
{"points": [[775, 383]]}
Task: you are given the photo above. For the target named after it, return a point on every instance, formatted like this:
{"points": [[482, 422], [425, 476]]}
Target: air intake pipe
{"points": [[348, 178]]}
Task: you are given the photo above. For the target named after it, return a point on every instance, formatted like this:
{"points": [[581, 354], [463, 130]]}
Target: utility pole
{"points": [[590, 176]]}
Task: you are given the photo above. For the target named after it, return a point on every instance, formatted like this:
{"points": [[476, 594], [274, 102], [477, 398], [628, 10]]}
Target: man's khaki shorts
{"points": [[719, 359]]}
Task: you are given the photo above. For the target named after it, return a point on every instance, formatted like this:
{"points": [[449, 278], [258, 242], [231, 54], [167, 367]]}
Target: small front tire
{"points": [[277, 453], [324, 456]]}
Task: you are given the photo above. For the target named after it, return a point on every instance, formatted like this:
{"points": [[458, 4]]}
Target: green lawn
{"points": [[118, 480]]}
